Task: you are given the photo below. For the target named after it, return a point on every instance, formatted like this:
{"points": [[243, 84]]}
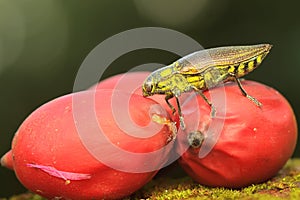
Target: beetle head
{"points": [[158, 82], [148, 87]]}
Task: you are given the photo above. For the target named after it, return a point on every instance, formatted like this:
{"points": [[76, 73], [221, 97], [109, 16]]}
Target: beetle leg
{"points": [[213, 109], [251, 98], [169, 104], [182, 124]]}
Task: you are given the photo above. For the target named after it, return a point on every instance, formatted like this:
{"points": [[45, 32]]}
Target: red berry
{"points": [[253, 145], [59, 150]]}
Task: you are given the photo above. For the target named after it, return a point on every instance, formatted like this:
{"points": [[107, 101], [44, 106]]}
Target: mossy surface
{"points": [[286, 185]]}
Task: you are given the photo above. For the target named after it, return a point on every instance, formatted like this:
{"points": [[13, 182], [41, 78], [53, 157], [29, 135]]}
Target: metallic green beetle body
{"points": [[203, 70]]}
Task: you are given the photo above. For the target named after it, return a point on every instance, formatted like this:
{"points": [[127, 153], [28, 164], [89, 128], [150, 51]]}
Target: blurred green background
{"points": [[43, 43]]}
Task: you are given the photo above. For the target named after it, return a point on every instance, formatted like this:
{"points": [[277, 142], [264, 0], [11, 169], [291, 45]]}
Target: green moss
{"points": [[27, 196], [286, 185]]}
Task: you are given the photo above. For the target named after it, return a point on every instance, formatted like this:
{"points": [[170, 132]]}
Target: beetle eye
{"points": [[148, 87]]}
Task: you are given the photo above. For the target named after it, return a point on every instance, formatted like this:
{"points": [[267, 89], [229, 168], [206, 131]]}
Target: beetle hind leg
{"points": [[251, 98]]}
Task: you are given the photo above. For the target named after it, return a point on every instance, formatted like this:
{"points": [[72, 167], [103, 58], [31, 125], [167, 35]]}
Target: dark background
{"points": [[43, 43]]}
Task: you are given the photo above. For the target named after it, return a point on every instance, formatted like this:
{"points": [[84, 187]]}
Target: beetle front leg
{"points": [[182, 124], [181, 119], [170, 96]]}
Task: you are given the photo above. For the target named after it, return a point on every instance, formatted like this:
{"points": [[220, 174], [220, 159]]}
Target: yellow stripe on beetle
{"points": [[259, 59], [251, 66], [241, 69]]}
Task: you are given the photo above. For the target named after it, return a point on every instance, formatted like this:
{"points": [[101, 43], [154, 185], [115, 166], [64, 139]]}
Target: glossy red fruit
{"points": [[253, 145], [67, 149]]}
